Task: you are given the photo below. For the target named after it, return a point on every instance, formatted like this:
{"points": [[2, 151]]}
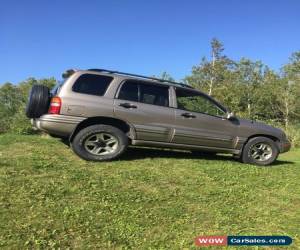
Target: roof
{"points": [[141, 77]]}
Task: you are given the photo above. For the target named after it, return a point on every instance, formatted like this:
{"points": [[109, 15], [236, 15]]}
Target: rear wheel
{"points": [[260, 151], [38, 101], [100, 143]]}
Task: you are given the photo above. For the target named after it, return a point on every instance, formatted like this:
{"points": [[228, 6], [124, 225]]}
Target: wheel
{"points": [[260, 151], [38, 101], [100, 143]]}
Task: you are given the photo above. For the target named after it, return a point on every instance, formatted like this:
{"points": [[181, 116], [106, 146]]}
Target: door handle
{"points": [[127, 105], [188, 115]]}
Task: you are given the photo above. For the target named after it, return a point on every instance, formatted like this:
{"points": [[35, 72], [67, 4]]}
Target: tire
{"points": [[260, 151], [38, 101], [99, 143]]}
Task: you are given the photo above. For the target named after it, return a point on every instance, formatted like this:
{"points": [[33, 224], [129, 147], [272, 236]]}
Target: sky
{"points": [[43, 38]]}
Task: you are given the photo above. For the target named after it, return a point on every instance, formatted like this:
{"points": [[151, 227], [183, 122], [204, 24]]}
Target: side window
{"points": [[92, 84], [129, 91], [145, 93], [155, 95], [195, 102]]}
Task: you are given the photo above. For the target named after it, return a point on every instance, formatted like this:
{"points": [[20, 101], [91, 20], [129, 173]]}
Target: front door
{"points": [[199, 120], [146, 106]]}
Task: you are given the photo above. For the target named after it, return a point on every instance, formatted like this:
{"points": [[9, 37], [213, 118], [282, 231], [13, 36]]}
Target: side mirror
{"points": [[230, 116]]}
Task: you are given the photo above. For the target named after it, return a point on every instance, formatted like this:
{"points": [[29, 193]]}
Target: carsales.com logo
{"points": [[243, 240]]}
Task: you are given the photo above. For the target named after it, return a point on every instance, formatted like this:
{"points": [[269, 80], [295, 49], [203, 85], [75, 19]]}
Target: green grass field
{"points": [[149, 199]]}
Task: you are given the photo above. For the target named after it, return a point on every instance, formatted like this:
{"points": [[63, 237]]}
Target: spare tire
{"points": [[38, 101]]}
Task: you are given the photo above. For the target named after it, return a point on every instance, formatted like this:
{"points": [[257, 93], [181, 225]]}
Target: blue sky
{"points": [[43, 38]]}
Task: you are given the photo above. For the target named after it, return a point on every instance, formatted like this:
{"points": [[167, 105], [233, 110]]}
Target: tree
{"points": [[216, 60], [250, 75], [210, 75], [10, 100], [166, 76], [13, 99], [290, 89]]}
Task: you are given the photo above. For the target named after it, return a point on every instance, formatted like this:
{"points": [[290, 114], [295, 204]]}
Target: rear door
{"points": [[146, 106], [200, 121]]}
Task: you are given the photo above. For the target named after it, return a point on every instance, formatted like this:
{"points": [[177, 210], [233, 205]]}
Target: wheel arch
{"points": [[274, 138], [118, 123]]}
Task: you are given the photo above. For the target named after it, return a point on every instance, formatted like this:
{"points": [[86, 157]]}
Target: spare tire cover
{"points": [[38, 101]]}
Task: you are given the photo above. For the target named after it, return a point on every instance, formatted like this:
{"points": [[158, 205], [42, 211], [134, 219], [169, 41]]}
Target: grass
{"points": [[149, 199]]}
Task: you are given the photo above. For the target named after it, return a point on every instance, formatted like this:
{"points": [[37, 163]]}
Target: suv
{"points": [[102, 112]]}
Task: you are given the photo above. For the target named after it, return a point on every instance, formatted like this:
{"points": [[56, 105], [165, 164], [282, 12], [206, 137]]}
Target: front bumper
{"points": [[60, 125], [284, 146]]}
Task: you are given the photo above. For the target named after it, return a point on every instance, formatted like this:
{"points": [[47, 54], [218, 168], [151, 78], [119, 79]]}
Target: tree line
{"points": [[249, 88]]}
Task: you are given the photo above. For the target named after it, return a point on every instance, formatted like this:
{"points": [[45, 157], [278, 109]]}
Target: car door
{"points": [[199, 120], [146, 106]]}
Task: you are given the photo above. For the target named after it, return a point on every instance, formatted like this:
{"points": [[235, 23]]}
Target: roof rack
{"points": [[141, 76]]}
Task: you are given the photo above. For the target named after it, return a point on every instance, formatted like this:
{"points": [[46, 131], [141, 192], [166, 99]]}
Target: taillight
{"points": [[55, 105]]}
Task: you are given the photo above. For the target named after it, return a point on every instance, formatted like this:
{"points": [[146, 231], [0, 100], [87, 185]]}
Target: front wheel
{"points": [[260, 151], [100, 143]]}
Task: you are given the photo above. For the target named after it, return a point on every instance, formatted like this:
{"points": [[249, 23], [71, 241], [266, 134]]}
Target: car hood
{"points": [[249, 127]]}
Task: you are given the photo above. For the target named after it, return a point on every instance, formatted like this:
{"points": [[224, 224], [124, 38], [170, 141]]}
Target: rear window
{"points": [[92, 84], [54, 91]]}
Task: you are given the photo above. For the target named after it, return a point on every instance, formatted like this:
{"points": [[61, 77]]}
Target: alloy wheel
{"points": [[261, 151], [101, 144]]}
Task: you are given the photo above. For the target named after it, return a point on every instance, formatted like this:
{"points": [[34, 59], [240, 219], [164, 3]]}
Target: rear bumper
{"points": [[60, 125], [284, 146]]}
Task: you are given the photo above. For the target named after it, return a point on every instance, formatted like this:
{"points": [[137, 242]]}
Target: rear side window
{"points": [[92, 84], [145, 93]]}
